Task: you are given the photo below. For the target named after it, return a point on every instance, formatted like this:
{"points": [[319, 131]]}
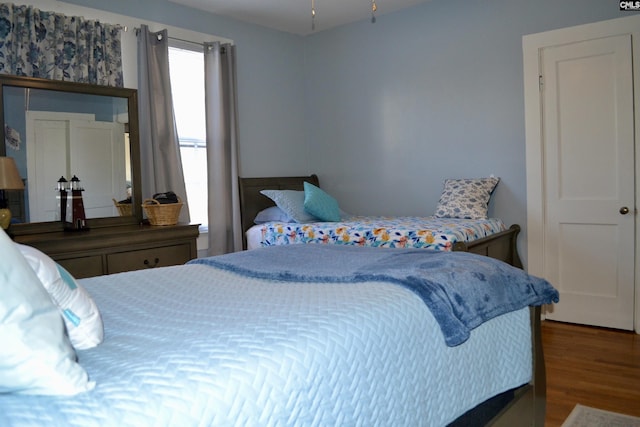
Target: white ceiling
{"points": [[294, 16]]}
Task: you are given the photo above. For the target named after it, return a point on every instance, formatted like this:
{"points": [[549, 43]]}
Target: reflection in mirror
{"points": [[61, 129], [62, 135]]}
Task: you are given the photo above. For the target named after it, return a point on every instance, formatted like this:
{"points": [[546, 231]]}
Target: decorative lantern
{"points": [[78, 218], [61, 188]]}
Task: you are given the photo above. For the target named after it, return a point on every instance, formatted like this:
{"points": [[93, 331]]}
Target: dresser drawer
{"points": [[87, 266], [115, 249], [148, 258]]}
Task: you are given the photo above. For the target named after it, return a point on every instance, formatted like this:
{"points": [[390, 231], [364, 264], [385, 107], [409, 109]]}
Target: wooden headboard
{"points": [[252, 202]]}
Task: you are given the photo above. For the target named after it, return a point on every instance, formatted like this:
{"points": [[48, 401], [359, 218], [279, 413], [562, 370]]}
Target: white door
{"points": [[106, 180], [588, 189], [46, 163], [589, 180]]}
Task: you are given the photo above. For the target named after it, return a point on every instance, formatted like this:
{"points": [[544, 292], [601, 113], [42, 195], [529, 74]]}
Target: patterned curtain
{"points": [[50, 45]]}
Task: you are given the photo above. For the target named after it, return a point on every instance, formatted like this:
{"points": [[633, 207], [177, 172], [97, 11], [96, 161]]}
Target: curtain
{"points": [[161, 165], [225, 231], [51, 45]]}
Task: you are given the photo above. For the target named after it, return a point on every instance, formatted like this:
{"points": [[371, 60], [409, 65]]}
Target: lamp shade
{"points": [[9, 176]]}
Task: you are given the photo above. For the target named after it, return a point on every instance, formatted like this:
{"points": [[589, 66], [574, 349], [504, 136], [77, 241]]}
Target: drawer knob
{"points": [[155, 263]]}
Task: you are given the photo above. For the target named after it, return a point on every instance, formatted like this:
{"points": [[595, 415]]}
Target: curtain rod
{"points": [[223, 49], [186, 41], [159, 36]]}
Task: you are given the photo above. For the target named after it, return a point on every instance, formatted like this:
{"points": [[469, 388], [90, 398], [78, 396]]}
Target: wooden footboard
{"points": [[502, 246], [528, 407]]}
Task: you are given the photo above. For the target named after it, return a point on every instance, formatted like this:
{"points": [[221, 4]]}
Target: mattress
{"points": [[196, 346], [379, 231]]}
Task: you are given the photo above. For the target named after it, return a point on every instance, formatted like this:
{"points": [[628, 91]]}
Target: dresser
{"points": [[115, 249], [108, 154]]}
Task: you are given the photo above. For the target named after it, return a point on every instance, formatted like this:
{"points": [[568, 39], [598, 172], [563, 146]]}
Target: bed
{"points": [[489, 237], [284, 336]]}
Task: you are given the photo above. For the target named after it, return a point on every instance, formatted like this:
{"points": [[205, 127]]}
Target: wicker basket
{"points": [[162, 214], [124, 209]]}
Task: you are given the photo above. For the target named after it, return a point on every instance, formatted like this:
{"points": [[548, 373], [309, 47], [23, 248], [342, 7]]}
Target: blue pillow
{"points": [[36, 356], [292, 203], [320, 204]]}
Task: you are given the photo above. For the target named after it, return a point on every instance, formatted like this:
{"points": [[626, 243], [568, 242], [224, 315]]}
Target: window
{"points": [[187, 89]]}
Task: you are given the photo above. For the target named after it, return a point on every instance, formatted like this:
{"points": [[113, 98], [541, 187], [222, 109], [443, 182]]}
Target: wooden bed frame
{"points": [[528, 405]]}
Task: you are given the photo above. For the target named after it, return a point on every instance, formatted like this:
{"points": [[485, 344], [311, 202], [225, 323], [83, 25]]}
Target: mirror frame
{"points": [[134, 140]]}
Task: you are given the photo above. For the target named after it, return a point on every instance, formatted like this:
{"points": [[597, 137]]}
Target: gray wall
{"points": [[384, 112]]}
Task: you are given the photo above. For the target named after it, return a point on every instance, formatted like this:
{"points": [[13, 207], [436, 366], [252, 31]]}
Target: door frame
{"points": [[531, 47]]}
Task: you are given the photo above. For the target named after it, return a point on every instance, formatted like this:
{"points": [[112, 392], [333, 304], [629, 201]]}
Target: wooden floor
{"points": [[592, 366]]}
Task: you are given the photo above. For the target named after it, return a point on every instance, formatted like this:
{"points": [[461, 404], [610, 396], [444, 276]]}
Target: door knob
{"points": [[624, 210]]}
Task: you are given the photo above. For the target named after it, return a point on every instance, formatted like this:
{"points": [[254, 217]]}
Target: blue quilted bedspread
{"points": [[463, 290], [196, 346]]}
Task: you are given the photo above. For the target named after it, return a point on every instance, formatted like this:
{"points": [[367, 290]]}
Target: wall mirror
{"points": [[59, 129]]}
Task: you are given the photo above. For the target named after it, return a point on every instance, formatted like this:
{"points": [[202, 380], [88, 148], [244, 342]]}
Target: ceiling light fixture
{"points": [[374, 9]]}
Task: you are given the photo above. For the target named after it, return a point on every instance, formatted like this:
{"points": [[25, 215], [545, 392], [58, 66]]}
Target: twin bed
{"points": [[311, 335], [489, 237]]}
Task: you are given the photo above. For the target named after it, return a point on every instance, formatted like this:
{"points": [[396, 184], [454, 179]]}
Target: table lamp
{"points": [[9, 180]]}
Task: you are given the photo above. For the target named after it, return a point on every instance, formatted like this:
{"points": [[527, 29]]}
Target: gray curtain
{"points": [[159, 147], [225, 231]]}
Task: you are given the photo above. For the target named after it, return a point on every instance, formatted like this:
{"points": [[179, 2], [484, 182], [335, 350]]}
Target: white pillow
{"points": [[78, 309], [272, 214], [36, 356]]}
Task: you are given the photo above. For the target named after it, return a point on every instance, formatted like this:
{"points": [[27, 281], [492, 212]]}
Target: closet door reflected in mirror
{"points": [[65, 144], [55, 129]]}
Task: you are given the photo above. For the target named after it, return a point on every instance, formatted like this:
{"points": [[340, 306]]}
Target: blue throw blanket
{"points": [[462, 290]]}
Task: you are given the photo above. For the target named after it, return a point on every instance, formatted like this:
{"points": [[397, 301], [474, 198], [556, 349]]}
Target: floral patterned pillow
{"points": [[466, 198]]}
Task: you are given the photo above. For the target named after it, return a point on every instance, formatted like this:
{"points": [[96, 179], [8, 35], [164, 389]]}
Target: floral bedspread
{"points": [[379, 231]]}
